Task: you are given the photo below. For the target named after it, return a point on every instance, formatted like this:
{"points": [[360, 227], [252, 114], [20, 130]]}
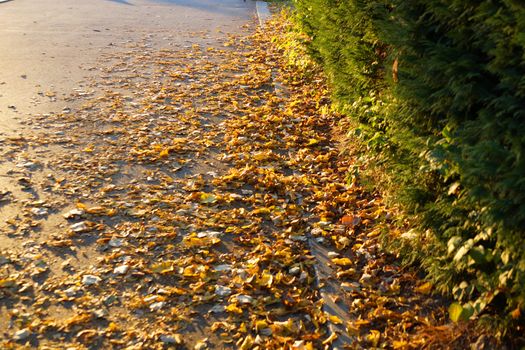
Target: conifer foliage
{"points": [[436, 90]]}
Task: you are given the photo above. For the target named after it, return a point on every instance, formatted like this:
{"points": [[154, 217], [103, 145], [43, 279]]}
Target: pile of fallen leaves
{"points": [[177, 204]]}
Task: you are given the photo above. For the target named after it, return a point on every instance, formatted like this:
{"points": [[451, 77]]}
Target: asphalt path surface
{"points": [[52, 49], [48, 47]]}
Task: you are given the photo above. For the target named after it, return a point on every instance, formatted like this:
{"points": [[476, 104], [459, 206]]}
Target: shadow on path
{"points": [[124, 2], [225, 7]]}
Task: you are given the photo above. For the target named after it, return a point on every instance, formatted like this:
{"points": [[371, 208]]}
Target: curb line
{"points": [[328, 291], [263, 12]]}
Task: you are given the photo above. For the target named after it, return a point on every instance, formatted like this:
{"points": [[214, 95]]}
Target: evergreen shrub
{"points": [[437, 91]]}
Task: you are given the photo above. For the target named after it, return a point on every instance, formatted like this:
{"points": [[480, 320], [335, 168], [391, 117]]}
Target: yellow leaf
{"points": [[168, 179], [307, 346], [335, 320], [179, 291], [283, 327], [112, 327], [164, 153], [208, 198], [231, 229], [77, 319], [179, 140], [247, 343], [400, 344], [373, 337], [260, 156], [342, 261], [261, 324], [330, 339], [190, 271], [342, 243], [261, 211], [96, 210], [198, 287], [234, 309], [425, 288], [215, 326], [178, 338], [265, 279], [302, 346], [352, 329], [194, 241], [359, 323], [7, 283], [163, 267], [374, 233]]}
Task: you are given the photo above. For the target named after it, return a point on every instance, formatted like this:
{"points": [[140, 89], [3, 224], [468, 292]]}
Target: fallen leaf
{"points": [[425, 288], [342, 261]]}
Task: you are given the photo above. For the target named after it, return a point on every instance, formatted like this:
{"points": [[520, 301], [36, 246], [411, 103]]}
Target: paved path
{"points": [[50, 46], [53, 49]]}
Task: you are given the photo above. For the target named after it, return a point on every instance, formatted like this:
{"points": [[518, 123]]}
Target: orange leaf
{"points": [[515, 314], [350, 220]]}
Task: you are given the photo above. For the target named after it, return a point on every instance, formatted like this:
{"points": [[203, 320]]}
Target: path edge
{"points": [[322, 270], [263, 12]]}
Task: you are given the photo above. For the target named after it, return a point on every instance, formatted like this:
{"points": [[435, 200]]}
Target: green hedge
{"points": [[437, 93]]}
